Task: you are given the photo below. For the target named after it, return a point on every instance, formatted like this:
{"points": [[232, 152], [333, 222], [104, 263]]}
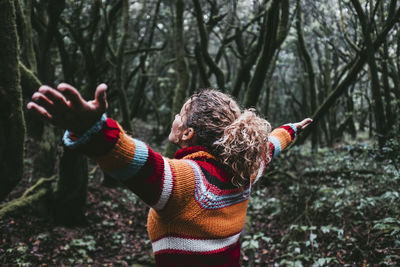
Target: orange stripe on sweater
{"points": [[199, 154], [199, 223], [120, 156], [283, 136]]}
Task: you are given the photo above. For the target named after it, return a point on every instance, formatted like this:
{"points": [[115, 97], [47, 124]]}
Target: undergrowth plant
{"points": [[333, 207]]}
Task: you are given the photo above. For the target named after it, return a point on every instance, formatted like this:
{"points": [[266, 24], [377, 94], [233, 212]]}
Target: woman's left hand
{"points": [[65, 107], [303, 124]]}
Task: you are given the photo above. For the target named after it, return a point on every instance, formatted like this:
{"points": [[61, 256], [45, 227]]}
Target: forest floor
{"points": [[113, 234], [336, 207]]}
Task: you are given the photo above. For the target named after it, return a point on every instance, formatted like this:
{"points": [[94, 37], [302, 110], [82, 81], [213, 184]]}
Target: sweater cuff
{"points": [[86, 137], [294, 128]]}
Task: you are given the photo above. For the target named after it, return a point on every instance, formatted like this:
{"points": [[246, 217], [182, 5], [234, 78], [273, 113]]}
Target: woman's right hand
{"points": [[65, 107]]}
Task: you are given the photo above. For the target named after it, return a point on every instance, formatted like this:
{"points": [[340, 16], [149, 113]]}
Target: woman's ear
{"points": [[188, 134]]}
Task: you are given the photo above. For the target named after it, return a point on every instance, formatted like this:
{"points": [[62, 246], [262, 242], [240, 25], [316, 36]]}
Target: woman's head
{"points": [[214, 120], [179, 131]]}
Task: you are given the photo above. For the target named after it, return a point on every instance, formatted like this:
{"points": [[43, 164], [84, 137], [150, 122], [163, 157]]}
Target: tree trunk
{"points": [[138, 95], [12, 124], [203, 82], [375, 86], [44, 160], [45, 68], [350, 109], [330, 123], [243, 75], [70, 197], [123, 100], [276, 31], [25, 32], [305, 54], [390, 116], [219, 75], [181, 70]]}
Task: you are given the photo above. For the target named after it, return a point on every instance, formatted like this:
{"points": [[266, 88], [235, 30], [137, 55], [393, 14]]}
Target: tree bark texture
{"points": [[25, 32], [375, 86], [219, 75], [390, 116], [276, 30], [12, 125], [181, 69], [309, 68], [45, 68], [30, 84], [123, 100]]}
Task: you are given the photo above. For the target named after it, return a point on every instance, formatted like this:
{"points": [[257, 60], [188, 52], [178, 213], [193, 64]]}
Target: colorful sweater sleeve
{"points": [[129, 160], [280, 138]]}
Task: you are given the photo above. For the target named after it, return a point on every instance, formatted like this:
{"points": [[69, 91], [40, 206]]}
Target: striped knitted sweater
{"points": [[196, 214]]}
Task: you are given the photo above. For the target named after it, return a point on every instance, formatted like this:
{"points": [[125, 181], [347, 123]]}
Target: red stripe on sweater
{"points": [[230, 256], [271, 149], [219, 173], [103, 141], [147, 183], [111, 131], [290, 130]]}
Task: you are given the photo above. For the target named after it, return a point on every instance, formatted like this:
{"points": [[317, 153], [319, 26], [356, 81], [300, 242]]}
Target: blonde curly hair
{"points": [[239, 140]]}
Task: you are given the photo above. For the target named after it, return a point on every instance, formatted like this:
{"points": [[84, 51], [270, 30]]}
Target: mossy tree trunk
{"points": [[42, 138], [12, 124], [24, 27]]}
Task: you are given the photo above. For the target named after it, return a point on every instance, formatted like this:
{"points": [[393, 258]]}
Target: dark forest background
{"points": [[331, 199]]}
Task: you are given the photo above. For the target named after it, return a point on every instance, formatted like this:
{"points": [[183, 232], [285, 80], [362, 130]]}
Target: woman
{"points": [[199, 199]]}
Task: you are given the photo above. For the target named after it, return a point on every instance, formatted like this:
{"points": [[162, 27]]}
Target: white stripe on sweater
{"points": [[166, 187], [194, 245], [260, 172], [277, 145]]}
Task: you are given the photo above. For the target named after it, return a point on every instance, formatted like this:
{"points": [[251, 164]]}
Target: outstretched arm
{"points": [[282, 136], [128, 160], [279, 139]]}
